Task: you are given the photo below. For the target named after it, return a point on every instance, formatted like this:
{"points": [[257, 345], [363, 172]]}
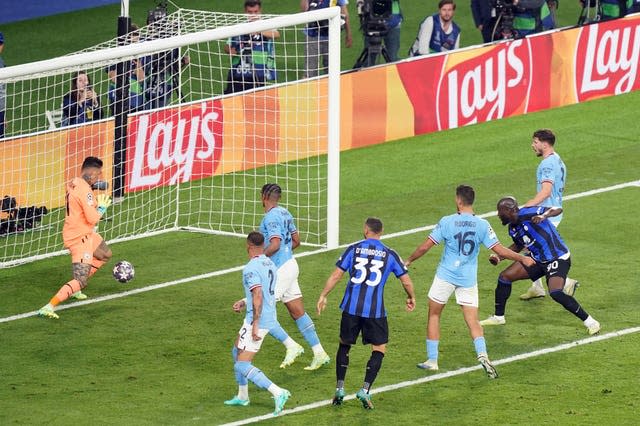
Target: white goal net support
{"points": [[191, 116]]}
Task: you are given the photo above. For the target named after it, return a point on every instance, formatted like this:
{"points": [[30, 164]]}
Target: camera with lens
{"points": [[158, 13], [504, 11], [373, 16]]}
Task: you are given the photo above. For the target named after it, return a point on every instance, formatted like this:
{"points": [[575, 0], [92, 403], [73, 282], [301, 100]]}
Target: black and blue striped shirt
{"points": [[542, 239], [369, 263]]}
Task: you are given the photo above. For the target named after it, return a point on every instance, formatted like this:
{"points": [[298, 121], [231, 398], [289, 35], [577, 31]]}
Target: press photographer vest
{"points": [[615, 8], [255, 56], [441, 41], [530, 21]]}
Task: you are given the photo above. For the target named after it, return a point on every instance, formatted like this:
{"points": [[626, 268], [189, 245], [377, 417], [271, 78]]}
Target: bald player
{"points": [[88, 250]]}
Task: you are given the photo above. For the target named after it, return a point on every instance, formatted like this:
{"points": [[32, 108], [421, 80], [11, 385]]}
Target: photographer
{"points": [[483, 19], [81, 104], [391, 33], [612, 9], [437, 33], [136, 78], [317, 36], [161, 70], [530, 17], [252, 55]]}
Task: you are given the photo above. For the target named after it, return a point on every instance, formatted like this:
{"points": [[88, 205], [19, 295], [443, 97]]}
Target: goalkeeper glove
{"points": [[104, 201]]}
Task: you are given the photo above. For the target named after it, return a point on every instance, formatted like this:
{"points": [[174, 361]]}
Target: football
{"points": [[123, 271]]}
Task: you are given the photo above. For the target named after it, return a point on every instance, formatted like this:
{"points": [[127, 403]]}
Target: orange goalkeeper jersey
{"points": [[82, 214]]}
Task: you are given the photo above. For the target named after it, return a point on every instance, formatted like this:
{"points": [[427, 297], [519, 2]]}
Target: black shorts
{"points": [[375, 331], [556, 268]]}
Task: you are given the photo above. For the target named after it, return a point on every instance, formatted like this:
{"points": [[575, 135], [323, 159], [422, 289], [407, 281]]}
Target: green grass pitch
{"points": [[163, 356]]}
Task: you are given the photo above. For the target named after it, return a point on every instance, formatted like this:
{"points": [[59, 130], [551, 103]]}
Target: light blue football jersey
{"points": [[553, 170], [462, 234], [261, 271], [278, 222]]}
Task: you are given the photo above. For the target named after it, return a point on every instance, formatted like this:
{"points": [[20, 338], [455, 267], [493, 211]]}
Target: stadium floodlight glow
{"points": [[197, 163]]}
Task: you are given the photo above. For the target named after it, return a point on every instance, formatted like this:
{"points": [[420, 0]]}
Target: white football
{"points": [[123, 271]]}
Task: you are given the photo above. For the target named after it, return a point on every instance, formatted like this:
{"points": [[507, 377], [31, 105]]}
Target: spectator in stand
{"points": [[438, 32], [81, 104], [3, 91], [136, 78], [481, 10]]}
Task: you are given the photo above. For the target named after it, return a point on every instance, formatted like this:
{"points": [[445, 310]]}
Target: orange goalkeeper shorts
{"points": [[82, 248]]}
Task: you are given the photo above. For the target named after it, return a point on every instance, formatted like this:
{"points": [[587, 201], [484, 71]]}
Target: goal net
{"points": [[191, 115]]}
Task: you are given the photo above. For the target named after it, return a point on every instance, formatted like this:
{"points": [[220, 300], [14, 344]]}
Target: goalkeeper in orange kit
{"points": [[88, 250]]}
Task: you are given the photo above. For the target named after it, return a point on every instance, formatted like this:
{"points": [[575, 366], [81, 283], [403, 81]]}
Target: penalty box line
{"points": [[440, 376], [307, 253]]}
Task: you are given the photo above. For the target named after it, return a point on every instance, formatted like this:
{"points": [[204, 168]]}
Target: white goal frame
{"points": [[130, 51]]}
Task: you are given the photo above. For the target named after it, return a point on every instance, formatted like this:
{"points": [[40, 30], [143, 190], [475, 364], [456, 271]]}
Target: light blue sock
{"points": [[308, 329], [240, 379], [432, 349], [278, 333], [253, 373], [480, 344]]}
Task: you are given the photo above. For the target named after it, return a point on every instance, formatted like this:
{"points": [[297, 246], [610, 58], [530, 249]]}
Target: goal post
{"points": [[195, 161]]}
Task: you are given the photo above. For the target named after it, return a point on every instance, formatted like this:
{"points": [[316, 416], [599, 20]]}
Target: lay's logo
{"points": [[485, 87], [607, 57]]}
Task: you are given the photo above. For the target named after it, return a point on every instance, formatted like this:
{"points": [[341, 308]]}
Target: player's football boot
{"points": [[237, 401], [494, 320], [533, 292], [488, 367], [430, 364], [570, 286], [593, 327], [318, 361], [47, 312], [292, 353], [280, 400], [338, 398], [78, 295], [365, 398]]}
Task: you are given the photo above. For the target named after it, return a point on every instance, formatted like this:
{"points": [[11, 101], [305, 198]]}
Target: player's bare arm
{"points": [[420, 251], [553, 211], [505, 253], [295, 240], [256, 293], [495, 258], [543, 194], [239, 305], [333, 279], [408, 288], [274, 246]]}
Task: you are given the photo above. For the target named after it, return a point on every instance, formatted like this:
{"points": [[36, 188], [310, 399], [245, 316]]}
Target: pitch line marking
{"points": [[113, 296], [440, 376]]}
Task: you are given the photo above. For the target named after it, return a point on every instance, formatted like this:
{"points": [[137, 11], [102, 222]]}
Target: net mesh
{"points": [[208, 124]]}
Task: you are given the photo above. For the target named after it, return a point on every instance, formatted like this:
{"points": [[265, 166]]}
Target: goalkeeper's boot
{"points": [[47, 312], [570, 286], [237, 401], [280, 400], [494, 320], [483, 359], [430, 364], [318, 361], [292, 353], [536, 290], [78, 295], [365, 399], [338, 398]]}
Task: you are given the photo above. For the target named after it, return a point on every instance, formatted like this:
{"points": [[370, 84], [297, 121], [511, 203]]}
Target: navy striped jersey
{"points": [[542, 240], [369, 263]]}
